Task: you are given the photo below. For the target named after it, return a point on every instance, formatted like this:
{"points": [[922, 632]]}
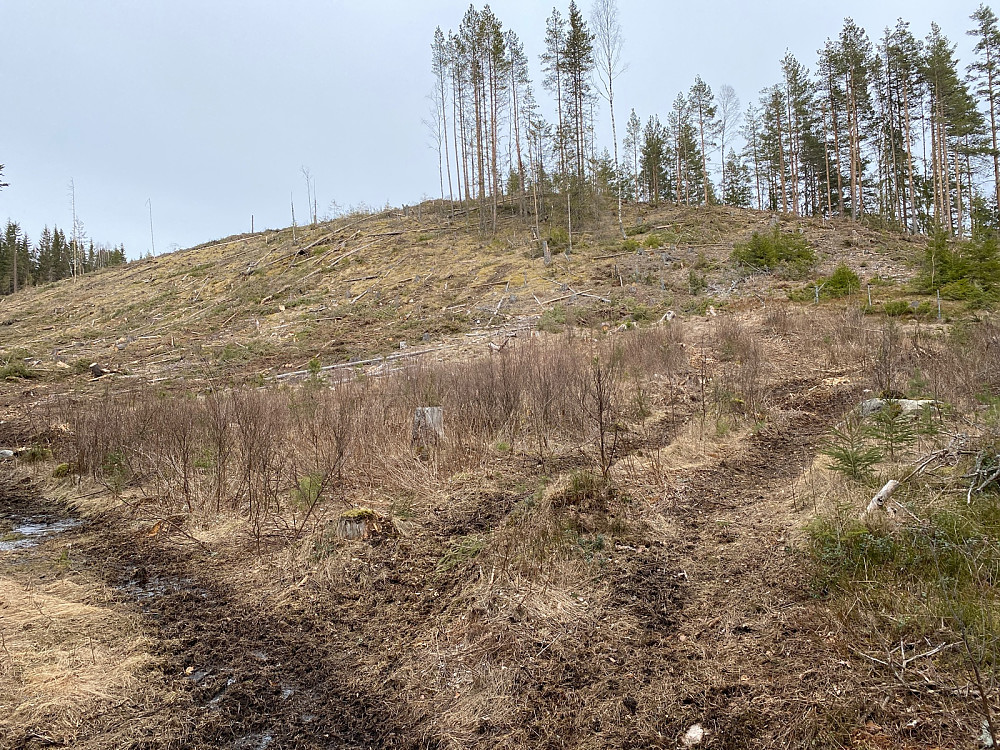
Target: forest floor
{"points": [[693, 618]]}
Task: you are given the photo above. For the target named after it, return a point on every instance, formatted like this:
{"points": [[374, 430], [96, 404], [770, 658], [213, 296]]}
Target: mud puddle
{"points": [[24, 532]]}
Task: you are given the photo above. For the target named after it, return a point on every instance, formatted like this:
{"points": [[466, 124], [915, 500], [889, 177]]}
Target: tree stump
{"points": [[428, 429]]}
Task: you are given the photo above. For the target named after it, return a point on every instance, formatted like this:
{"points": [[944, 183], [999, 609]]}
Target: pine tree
{"points": [[800, 134], [633, 144], [522, 106], [833, 109], [853, 62], [654, 160], [578, 55], [986, 72], [751, 135], [702, 106], [554, 67], [440, 62], [773, 132], [901, 92], [956, 126]]}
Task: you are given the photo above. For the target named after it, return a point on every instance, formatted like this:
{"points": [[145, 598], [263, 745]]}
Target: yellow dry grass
{"points": [[64, 656]]}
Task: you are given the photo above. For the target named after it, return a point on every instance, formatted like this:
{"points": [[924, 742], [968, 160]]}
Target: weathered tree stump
{"points": [[428, 429], [360, 523]]}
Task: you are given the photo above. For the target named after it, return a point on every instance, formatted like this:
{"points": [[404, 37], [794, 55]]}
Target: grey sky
{"points": [[210, 108]]}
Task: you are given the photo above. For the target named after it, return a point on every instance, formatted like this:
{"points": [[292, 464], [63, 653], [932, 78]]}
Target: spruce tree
{"points": [[737, 189]]}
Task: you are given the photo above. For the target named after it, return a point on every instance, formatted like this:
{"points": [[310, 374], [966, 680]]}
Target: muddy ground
{"points": [[725, 633]]}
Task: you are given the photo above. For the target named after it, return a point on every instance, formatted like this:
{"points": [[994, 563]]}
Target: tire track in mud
{"points": [[721, 600], [252, 676], [304, 674]]}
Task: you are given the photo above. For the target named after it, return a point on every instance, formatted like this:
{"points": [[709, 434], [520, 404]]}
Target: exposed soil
{"points": [[725, 631]]}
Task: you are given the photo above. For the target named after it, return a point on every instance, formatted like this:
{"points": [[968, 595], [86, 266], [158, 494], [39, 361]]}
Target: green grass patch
{"points": [[461, 550], [16, 369]]}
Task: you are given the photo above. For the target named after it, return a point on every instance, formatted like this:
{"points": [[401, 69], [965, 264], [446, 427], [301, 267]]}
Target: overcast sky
{"points": [[209, 108]]}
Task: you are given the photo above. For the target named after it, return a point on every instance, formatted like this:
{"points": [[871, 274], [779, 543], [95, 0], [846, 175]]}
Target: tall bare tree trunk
{"points": [[781, 158], [909, 158], [826, 156]]}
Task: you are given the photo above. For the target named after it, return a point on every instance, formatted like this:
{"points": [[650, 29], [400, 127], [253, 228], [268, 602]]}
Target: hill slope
{"points": [[355, 288], [621, 536]]}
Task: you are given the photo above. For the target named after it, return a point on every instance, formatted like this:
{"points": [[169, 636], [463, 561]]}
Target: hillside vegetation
{"points": [[269, 303], [633, 529]]}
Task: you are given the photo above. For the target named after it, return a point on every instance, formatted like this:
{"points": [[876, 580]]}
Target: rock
{"points": [[909, 407], [6, 454], [986, 736], [693, 736]]}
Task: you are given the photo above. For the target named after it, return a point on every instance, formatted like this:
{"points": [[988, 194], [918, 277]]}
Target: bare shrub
{"points": [[259, 426], [885, 363], [739, 386], [778, 319], [219, 443], [550, 409], [273, 456], [178, 435]]}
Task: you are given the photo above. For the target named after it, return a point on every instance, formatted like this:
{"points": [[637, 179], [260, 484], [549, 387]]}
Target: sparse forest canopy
{"points": [[890, 128]]}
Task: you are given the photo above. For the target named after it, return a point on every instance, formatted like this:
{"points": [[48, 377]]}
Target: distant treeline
{"points": [[25, 263], [890, 129]]}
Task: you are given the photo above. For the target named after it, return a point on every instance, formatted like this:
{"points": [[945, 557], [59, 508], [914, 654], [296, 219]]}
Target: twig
{"points": [[909, 660]]}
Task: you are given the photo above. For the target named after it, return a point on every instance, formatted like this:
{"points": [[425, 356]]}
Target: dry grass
{"points": [[600, 552], [65, 656], [263, 304]]}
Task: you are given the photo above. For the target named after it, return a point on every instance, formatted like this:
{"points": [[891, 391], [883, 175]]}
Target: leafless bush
{"points": [[259, 426], [273, 456], [219, 442], [551, 410], [885, 363], [976, 353], [778, 319]]}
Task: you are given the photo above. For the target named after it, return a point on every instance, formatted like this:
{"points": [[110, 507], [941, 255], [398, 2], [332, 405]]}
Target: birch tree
{"points": [[609, 66]]}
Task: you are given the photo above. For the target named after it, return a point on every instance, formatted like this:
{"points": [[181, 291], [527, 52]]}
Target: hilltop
{"points": [[267, 304]]}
